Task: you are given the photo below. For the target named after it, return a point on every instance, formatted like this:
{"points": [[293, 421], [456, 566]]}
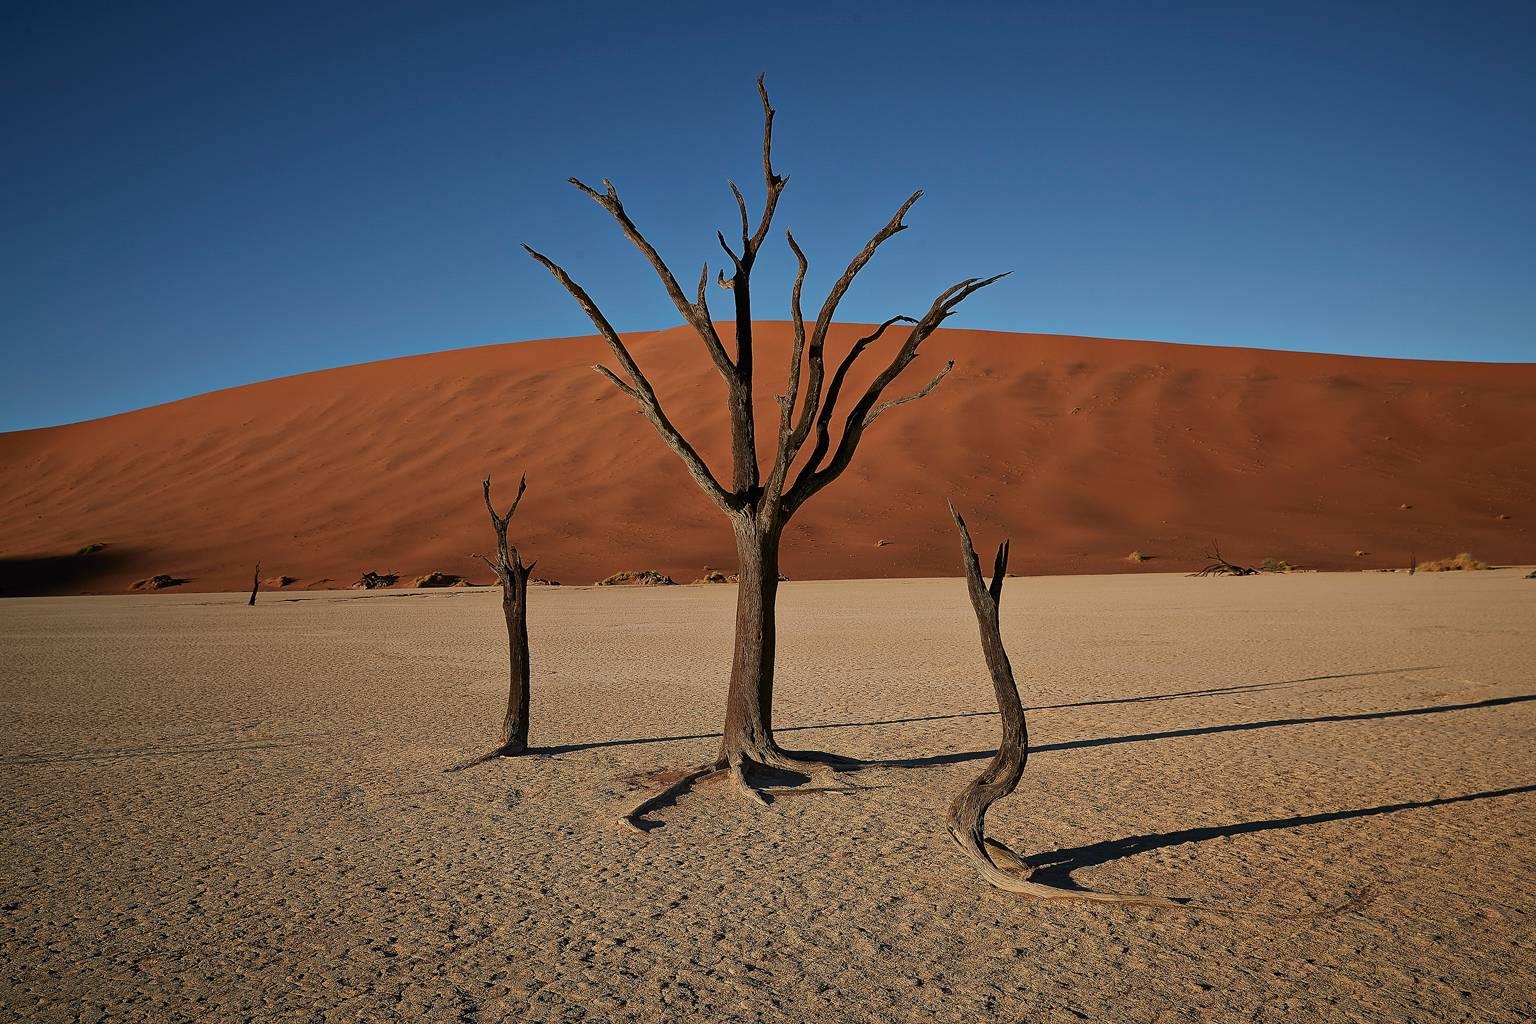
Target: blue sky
{"points": [[203, 195]]}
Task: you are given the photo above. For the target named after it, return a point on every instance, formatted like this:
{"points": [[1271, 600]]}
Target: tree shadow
{"points": [[1212, 691], [1206, 730], [1055, 868]]}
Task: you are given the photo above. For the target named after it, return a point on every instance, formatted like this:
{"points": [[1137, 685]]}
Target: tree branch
{"points": [[641, 391], [786, 448], [818, 340], [696, 314], [893, 403], [813, 479], [824, 417]]}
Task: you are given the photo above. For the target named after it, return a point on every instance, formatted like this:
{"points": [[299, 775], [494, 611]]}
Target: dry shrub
{"points": [[437, 578], [279, 581], [159, 581], [640, 578], [371, 580], [1462, 562], [1276, 565], [1136, 556]]}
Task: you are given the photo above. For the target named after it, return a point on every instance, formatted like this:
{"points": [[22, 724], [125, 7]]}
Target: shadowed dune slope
{"points": [[1081, 449]]}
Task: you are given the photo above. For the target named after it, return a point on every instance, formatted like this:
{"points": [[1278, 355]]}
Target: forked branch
{"points": [[813, 476], [968, 813], [638, 387], [695, 313]]}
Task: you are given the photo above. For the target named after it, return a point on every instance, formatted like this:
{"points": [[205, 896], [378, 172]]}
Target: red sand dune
{"points": [[1080, 449]]}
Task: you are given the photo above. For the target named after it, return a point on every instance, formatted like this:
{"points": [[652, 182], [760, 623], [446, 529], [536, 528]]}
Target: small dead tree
{"points": [[255, 585], [760, 505], [967, 817], [512, 574], [1219, 566]]}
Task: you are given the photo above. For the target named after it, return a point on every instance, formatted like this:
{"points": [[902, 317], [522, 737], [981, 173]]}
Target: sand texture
{"points": [[1084, 450], [218, 813]]}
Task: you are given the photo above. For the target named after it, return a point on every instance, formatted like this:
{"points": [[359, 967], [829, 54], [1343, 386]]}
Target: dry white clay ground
{"points": [[218, 813]]}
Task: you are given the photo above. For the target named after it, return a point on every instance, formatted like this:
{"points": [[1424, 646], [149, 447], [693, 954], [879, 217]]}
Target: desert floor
{"points": [[218, 813]]}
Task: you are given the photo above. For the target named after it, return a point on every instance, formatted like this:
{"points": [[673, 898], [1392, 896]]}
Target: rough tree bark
{"points": [[513, 575], [967, 815], [255, 585], [760, 506]]}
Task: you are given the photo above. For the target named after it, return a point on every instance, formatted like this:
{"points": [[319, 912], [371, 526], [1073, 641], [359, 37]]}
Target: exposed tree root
{"points": [[739, 769], [489, 755], [635, 816], [745, 788], [1006, 870]]}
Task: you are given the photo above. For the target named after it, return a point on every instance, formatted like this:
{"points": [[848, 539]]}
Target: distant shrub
{"points": [[160, 581], [1461, 563], [1276, 565], [1136, 556], [640, 578], [436, 578]]}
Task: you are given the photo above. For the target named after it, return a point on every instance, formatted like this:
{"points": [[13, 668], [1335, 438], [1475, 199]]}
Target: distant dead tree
{"points": [[512, 574], [967, 816], [1219, 566], [760, 506], [255, 585]]}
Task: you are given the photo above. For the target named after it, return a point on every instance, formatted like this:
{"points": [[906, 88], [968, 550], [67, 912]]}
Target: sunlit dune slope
{"points": [[1081, 450]]}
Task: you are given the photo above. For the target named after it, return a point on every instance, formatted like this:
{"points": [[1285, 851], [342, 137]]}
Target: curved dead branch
{"points": [[997, 864]]}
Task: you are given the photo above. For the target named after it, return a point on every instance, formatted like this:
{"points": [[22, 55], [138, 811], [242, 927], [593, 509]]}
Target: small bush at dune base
{"points": [[436, 578], [1462, 562], [160, 581], [642, 578]]}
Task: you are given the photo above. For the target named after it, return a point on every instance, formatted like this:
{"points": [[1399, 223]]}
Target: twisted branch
{"points": [[967, 814]]}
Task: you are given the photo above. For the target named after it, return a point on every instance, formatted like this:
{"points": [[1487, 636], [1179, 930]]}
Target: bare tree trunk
{"points": [[255, 586], [967, 815], [748, 732], [513, 575], [514, 605]]}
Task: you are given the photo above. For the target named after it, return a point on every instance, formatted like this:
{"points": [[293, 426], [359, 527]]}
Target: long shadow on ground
{"points": [[1213, 691], [1206, 730], [1055, 868]]}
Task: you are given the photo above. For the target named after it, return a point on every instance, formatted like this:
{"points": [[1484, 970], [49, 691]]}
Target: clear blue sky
{"points": [[203, 195]]}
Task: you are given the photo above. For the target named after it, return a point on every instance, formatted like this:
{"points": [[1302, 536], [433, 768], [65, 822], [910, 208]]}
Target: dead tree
{"points": [[759, 505], [512, 574], [1219, 566], [255, 585], [967, 816]]}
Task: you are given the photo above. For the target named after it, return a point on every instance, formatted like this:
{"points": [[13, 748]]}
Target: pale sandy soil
{"points": [[216, 813]]}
